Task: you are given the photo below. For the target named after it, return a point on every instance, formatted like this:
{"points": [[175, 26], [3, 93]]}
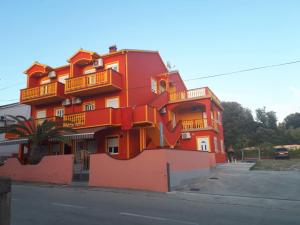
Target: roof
{"points": [[11, 105]]}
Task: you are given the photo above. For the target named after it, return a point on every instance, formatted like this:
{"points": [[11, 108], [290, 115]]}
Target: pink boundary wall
{"points": [[52, 169], [147, 171]]}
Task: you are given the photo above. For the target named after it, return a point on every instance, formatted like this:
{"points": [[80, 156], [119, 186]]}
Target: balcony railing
{"points": [[141, 115], [75, 120], [109, 80], [43, 93], [193, 94], [196, 124]]}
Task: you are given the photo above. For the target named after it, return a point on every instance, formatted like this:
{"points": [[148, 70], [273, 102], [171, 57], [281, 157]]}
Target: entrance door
{"points": [[81, 161], [82, 151]]}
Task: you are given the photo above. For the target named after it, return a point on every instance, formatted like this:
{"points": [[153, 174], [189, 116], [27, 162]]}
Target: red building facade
{"points": [[122, 103]]}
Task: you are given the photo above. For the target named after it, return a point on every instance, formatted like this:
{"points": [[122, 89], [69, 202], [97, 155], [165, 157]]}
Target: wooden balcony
{"points": [[94, 118], [193, 94], [198, 124], [100, 82], [42, 94], [143, 115]]}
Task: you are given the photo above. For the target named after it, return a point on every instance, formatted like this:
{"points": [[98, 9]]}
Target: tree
{"points": [[38, 134], [292, 121], [267, 119], [239, 125]]}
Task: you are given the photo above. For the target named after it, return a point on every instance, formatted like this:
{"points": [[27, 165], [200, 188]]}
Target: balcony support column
{"points": [[208, 113]]}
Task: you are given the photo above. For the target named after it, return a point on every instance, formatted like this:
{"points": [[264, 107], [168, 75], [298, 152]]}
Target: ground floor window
{"points": [[203, 144], [113, 145]]}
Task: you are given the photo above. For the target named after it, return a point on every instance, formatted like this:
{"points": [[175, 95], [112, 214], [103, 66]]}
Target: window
{"points": [[41, 114], [45, 81], [44, 88], [114, 66], [216, 144], [89, 71], [59, 112], [203, 144], [153, 85], [219, 117], [62, 79], [113, 145], [222, 146], [89, 106], [112, 102], [91, 79]]}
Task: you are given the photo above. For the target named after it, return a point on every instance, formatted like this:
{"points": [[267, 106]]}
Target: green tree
{"points": [[292, 121], [37, 133], [267, 119], [239, 125]]}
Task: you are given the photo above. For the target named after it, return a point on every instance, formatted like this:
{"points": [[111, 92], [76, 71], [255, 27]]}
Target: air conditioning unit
{"points": [[52, 74], [186, 135], [76, 101], [98, 63], [2, 118], [66, 102]]}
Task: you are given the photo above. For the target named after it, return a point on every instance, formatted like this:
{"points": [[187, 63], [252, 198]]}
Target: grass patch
{"points": [[277, 165]]}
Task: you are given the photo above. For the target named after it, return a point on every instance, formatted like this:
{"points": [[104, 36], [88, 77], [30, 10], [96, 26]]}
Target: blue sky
{"points": [[200, 37]]}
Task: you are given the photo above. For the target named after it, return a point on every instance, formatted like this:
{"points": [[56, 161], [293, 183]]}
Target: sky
{"points": [[201, 38]]}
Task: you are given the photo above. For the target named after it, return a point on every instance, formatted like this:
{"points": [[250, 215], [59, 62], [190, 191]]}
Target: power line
{"points": [[210, 76], [244, 70], [10, 86]]}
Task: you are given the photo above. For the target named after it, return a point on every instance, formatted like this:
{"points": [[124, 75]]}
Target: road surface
{"points": [[57, 205]]}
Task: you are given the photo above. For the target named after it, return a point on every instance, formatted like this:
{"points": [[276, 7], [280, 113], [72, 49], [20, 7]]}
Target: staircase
{"points": [[171, 135], [160, 101]]}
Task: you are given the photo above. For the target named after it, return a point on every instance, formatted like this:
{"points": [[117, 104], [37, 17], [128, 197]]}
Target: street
{"points": [[46, 204]]}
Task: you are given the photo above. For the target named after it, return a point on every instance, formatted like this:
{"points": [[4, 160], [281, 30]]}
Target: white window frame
{"points": [[109, 102], [91, 80], [89, 71], [46, 81], [200, 144], [154, 85], [114, 66], [113, 148], [41, 117], [60, 112], [89, 106]]}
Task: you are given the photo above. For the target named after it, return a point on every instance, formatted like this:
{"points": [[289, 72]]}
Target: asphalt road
{"points": [[57, 205]]}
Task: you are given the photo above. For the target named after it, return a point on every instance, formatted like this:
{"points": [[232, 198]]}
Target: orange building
{"points": [[122, 103]]}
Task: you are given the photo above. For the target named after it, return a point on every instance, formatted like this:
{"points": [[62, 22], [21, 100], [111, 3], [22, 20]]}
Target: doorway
{"points": [[82, 150]]}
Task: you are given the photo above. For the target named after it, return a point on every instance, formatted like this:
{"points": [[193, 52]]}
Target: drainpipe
{"points": [[161, 134]]}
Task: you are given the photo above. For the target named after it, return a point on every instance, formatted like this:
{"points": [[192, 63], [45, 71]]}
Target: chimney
{"points": [[112, 48]]}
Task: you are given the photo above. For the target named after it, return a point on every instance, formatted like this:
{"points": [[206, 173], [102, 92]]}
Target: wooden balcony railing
{"points": [[194, 124], [108, 78], [74, 120], [52, 91], [198, 124], [193, 94]]}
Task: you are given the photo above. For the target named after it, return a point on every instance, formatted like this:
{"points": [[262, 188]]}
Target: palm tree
{"points": [[38, 134]]}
